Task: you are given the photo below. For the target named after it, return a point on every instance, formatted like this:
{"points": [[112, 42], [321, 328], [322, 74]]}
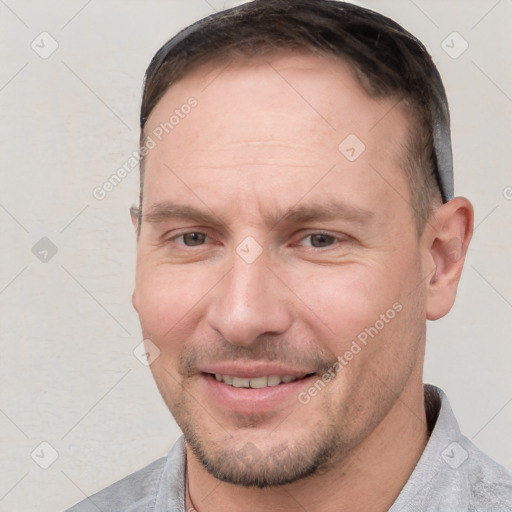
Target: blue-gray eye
{"points": [[191, 239], [321, 240]]}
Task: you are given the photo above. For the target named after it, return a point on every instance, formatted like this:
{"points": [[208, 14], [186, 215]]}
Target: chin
{"points": [[252, 461]]}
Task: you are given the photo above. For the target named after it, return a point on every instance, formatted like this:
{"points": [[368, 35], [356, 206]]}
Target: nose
{"points": [[249, 302]]}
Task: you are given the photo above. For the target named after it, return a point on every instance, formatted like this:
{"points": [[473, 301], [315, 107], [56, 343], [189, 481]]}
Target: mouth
{"points": [[256, 393], [259, 382]]}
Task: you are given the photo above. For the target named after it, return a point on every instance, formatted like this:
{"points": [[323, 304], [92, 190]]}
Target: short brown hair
{"points": [[388, 61]]}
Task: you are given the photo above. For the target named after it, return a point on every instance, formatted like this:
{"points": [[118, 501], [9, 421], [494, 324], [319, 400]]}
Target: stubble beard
{"points": [[235, 460]]}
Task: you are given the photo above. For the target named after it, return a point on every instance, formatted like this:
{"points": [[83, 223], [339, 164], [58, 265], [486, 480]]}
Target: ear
{"points": [[135, 300], [447, 238], [134, 214]]}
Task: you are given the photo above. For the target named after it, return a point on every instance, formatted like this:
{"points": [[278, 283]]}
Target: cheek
{"points": [[346, 300], [168, 301]]}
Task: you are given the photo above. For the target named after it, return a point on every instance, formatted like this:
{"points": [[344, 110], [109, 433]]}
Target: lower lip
{"points": [[251, 400]]}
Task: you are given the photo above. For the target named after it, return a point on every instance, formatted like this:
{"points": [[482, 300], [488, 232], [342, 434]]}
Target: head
{"points": [[296, 220]]}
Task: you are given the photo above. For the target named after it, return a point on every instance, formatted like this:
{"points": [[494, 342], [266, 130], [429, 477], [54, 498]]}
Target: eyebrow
{"points": [[163, 211], [322, 212]]}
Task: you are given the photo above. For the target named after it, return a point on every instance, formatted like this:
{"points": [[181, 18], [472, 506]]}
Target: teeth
{"points": [[258, 383], [273, 380], [240, 383], [255, 383]]}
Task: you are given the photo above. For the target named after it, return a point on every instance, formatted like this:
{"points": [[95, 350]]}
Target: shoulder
{"points": [[133, 493], [490, 484], [158, 486], [453, 473], [481, 483]]}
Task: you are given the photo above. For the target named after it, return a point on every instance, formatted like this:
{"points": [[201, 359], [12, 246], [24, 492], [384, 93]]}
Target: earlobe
{"points": [[450, 234]]}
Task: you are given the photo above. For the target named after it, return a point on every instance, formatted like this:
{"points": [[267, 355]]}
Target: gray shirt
{"points": [[452, 475]]}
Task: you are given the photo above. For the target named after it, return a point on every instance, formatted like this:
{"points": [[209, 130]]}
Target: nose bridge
{"points": [[248, 285], [249, 302]]}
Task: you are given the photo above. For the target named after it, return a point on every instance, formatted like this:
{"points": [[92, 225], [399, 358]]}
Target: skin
{"points": [[262, 141]]}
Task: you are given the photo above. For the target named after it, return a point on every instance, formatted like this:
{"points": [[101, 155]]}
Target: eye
{"points": [[192, 239], [319, 240]]}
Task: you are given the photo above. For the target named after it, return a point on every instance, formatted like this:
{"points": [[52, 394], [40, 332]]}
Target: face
{"points": [[279, 269]]}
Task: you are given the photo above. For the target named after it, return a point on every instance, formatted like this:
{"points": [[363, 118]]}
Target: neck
{"points": [[369, 478]]}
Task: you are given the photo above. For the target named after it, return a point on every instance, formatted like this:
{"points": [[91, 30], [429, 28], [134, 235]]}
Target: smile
{"points": [[255, 382]]}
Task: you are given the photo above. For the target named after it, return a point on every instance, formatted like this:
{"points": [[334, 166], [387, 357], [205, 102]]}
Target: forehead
{"points": [[320, 80], [284, 120]]}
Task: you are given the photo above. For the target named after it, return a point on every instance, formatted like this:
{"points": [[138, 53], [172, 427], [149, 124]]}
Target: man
{"points": [[296, 229]]}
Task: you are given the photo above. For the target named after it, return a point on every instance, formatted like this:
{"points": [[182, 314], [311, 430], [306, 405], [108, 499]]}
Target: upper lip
{"points": [[253, 370]]}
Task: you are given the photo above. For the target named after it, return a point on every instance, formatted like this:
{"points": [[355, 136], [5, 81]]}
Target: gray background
{"points": [[69, 121]]}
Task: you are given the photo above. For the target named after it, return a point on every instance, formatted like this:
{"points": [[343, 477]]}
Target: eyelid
{"points": [[310, 232], [167, 237], [338, 238]]}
